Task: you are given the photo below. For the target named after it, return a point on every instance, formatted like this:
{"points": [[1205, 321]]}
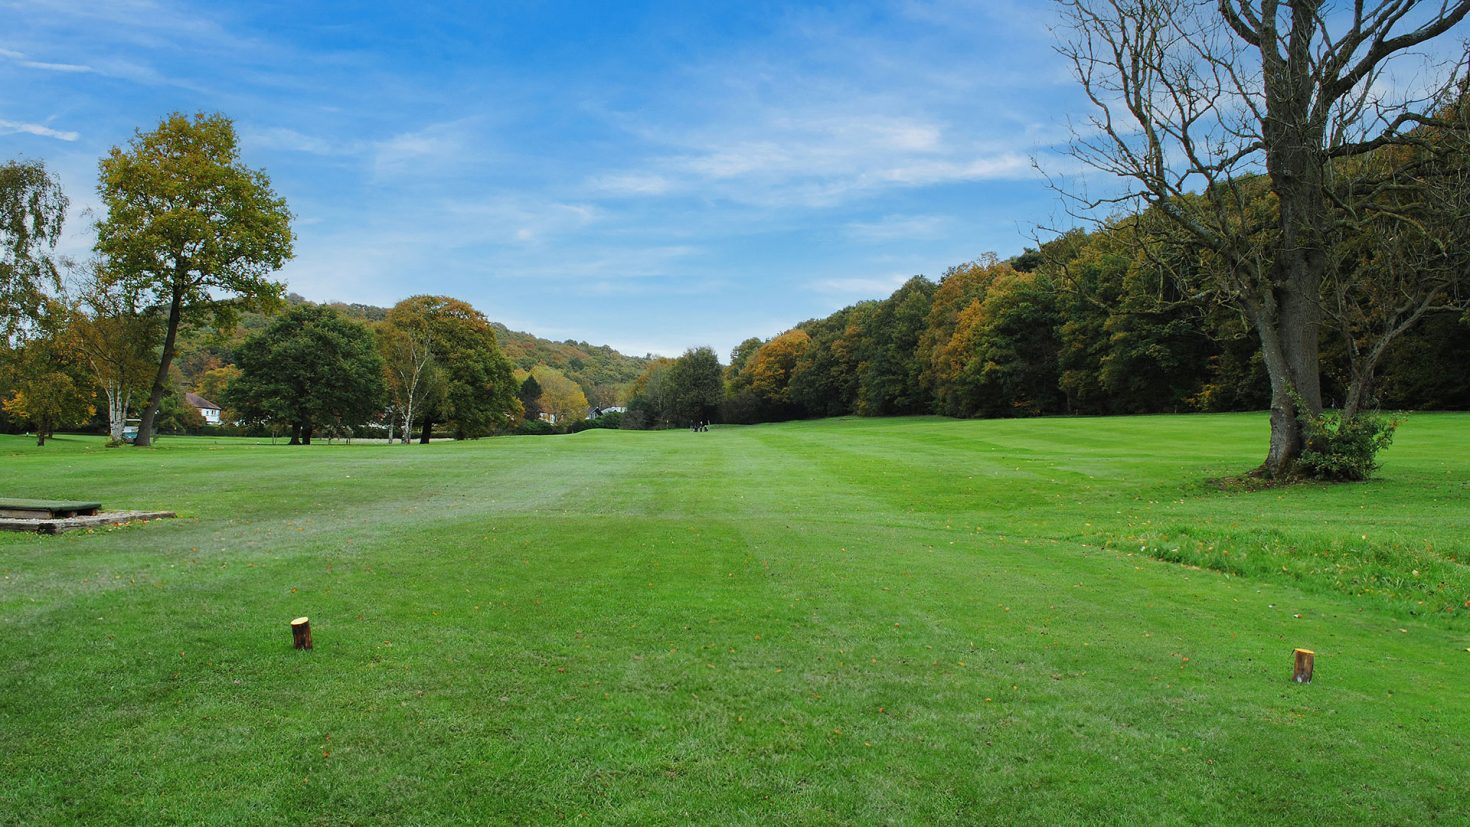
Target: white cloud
{"points": [[12, 127]]}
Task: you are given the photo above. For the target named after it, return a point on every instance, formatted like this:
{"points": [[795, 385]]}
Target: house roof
{"points": [[200, 402]]}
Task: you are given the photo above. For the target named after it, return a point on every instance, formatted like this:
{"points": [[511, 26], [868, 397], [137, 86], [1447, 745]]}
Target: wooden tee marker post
{"points": [[1302, 673], [301, 633]]}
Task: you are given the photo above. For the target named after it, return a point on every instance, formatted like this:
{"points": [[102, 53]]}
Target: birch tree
{"points": [[115, 337], [32, 210], [412, 375]]}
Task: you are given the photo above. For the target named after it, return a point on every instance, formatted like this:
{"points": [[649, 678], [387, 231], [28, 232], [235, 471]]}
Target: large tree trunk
{"points": [[1296, 166], [306, 430], [1291, 348], [295, 434], [160, 381], [428, 430]]}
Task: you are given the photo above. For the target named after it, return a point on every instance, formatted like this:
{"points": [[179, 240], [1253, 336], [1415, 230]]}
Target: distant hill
{"points": [[602, 372]]}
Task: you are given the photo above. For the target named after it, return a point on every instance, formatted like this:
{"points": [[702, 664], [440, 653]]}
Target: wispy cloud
{"points": [[290, 140], [820, 162], [429, 149], [632, 183], [13, 127], [21, 60], [873, 287], [899, 228]]}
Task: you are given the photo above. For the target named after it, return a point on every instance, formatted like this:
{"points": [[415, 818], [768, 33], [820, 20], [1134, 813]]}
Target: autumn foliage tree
{"points": [[557, 395], [44, 384], [770, 369], [114, 336]]}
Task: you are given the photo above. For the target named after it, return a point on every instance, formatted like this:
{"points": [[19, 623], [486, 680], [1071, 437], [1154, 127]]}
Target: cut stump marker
{"points": [[301, 633], [1303, 671]]}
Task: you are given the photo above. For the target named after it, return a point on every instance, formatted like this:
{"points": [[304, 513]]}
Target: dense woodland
{"points": [[1087, 324]]}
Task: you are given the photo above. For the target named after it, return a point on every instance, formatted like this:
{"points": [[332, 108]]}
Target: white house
{"points": [[207, 409]]}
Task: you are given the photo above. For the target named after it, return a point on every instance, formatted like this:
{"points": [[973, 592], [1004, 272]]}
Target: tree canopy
{"points": [[478, 392], [309, 369], [191, 225], [32, 211]]}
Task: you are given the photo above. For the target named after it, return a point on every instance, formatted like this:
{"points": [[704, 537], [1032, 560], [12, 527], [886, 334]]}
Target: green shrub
{"points": [[612, 420], [1344, 449], [535, 427]]}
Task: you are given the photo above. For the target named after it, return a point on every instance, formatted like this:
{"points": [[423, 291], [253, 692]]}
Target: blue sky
{"points": [[652, 176]]}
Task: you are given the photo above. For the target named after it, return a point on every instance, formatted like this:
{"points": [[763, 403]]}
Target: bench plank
{"points": [[22, 508]]}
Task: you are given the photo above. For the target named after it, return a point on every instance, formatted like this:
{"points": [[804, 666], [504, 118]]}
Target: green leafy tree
{"points": [[1130, 342], [311, 368], [32, 210], [650, 397], [736, 377], [478, 392], [889, 369], [698, 386], [530, 396], [190, 224], [824, 378]]}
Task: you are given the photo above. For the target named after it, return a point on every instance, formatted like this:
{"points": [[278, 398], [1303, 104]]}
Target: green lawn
{"points": [[849, 621]]}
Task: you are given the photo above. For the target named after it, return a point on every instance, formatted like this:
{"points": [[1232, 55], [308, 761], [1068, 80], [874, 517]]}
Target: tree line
{"points": [[1087, 323]]}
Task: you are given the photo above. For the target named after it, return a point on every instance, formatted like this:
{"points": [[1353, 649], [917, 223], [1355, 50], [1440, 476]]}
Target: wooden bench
{"points": [[46, 509]]}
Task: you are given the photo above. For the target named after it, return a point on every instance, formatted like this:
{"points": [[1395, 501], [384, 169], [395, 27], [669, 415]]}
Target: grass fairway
{"points": [[847, 621]]}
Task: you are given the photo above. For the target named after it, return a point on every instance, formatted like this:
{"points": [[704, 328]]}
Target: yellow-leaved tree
{"points": [[560, 396]]}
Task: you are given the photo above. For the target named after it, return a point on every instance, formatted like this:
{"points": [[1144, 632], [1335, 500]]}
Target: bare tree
{"points": [[1404, 253], [1270, 133]]}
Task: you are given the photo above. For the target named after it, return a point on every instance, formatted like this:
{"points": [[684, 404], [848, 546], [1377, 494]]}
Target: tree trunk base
{"points": [[301, 633], [1302, 673]]}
